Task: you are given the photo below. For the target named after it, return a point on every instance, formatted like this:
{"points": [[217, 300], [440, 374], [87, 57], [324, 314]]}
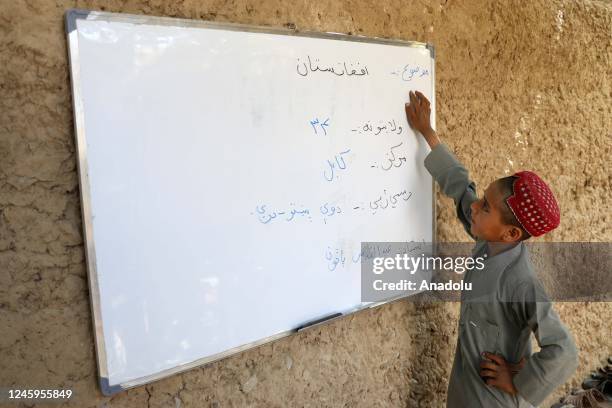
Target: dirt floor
{"points": [[519, 85]]}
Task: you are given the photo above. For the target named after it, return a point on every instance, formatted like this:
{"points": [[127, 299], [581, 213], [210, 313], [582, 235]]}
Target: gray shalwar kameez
{"points": [[500, 312]]}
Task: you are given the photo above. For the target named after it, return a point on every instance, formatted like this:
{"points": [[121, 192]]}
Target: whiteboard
{"points": [[229, 174]]}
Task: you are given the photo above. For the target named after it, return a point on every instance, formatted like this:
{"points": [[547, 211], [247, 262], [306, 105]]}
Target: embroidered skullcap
{"points": [[533, 204]]}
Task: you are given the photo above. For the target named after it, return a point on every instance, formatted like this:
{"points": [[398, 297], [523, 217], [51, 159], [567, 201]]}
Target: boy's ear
{"points": [[512, 234]]}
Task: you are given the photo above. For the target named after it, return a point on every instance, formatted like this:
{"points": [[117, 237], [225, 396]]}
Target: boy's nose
{"points": [[474, 206]]}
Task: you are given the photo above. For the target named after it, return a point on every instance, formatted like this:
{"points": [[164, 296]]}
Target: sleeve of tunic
{"points": [[454, 181], [558, 357]]}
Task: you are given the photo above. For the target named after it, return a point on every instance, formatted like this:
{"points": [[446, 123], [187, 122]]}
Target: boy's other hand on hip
{"points": [[497, 372]]}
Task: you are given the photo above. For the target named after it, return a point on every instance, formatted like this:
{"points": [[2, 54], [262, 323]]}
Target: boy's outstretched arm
{"points": [[441, 163]]}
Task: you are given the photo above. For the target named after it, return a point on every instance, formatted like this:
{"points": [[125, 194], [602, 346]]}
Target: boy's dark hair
{"points": [[508, 217]]}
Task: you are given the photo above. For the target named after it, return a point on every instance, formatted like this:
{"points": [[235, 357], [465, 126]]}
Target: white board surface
{"points": [[228, 178]]}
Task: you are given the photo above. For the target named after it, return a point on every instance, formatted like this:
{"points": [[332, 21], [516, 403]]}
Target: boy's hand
{"points": [[418, 114], [497, 372]]}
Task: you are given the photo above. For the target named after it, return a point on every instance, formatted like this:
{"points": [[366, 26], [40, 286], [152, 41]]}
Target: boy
{"points": [[493, 365]]}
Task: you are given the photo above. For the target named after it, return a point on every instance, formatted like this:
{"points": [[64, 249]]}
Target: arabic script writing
{"points": [[303, 68]]}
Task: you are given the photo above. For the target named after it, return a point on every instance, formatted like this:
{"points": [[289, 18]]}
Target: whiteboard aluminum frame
{"points": [[71, 17]]}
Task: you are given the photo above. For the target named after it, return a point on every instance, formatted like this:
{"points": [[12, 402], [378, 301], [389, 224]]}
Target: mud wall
{"points": [[519, 85]]}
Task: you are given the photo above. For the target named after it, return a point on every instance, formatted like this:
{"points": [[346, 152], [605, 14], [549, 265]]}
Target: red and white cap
{"points": [[534, 204]]}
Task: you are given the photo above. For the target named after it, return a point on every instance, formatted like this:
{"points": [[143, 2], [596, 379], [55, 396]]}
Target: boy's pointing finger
{"points": [[422, 98], [412, 97]]}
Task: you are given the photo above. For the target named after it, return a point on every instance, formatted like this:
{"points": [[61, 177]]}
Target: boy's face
{"points": [[487, 221]]}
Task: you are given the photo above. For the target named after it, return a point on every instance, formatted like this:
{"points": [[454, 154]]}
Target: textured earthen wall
{"points": [[519, 85]]}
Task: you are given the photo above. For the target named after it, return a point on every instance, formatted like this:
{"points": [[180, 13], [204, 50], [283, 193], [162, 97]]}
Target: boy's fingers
{"points": [[489, 365], [422, 98], [492, 382], [409, 116], [494, 357], [488, 373], [419, 102], [409, 110]]}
